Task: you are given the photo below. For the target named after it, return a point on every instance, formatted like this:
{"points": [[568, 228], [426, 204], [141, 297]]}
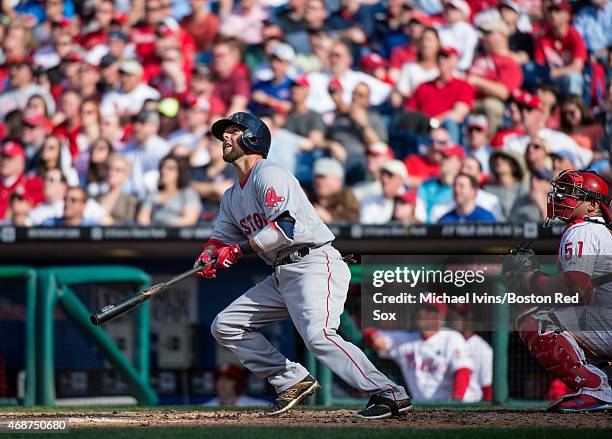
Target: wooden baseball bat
{"points": [[109, 312]]}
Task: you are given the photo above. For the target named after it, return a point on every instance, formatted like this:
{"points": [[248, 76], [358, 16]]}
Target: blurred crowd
{"points": [[415, 111]]}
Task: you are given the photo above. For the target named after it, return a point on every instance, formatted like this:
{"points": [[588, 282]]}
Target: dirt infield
{"points": [[424, 418]]}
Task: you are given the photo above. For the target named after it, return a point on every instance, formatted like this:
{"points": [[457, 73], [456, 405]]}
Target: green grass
{"points": [[320, 433]]}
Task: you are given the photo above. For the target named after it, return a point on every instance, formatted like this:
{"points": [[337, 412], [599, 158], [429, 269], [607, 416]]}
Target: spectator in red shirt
{"points": [[447, 99], [13, 178], [232, 85], [421, 167], [562, 49], [143, 34], [202, 25], [67, 120], [97, 31], [495, 74]]}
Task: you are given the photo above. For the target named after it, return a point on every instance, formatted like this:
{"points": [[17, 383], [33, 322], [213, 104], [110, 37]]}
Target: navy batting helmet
{"points": [[256, 136]]}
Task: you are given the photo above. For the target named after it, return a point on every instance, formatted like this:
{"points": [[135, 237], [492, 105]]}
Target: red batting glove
{"points": [[208, 270], [227, 256]]}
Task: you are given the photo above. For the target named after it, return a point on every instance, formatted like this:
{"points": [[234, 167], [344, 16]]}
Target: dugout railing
{"points": [[29, 278]]}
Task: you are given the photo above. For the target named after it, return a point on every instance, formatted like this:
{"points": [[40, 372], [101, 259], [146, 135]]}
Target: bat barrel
{"points": [[110, 312]]}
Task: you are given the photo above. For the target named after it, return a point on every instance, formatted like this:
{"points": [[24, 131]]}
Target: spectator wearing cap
{"points": [[427, 165], [332, 201], [20, 206], [35, 130], [438, 190], [20, 88], [145, 152], [301, 120], [275, 94], [375, 65], [355, 127], [130, 98], [508, 174], [243, 21], [353, 22], [109, 74], [465, 189], [424, 69], [562, 48], [447, 98], [378, 209], [577, 122], [230, 383], [195, 112], [119, 45], [594, 22], [377, 155], [170, 36], [533, 120], [176, 204], [537, 158], [562, 160], [531, 207], [495, 74], [520, 43], [13, 178], [340, 62], [404, 208], [457, 32], [477, 141], [202, 24], [231, 77], [413, 28]]}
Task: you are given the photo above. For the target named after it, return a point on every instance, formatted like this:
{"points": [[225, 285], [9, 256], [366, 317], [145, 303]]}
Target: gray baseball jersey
{"points": [[269, 191], [311, 291]]}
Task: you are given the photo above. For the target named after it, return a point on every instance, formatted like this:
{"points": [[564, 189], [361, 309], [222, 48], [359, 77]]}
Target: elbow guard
{"points": [[276, 234]]}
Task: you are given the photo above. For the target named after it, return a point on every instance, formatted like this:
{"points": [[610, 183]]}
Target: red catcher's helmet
{"points": [[570, 187]]}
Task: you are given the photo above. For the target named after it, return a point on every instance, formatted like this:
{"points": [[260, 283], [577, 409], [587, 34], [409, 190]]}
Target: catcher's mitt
{"points": [[517, 264]]}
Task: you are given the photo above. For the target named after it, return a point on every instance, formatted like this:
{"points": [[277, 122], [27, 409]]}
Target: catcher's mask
{"points": [[571, 187]]}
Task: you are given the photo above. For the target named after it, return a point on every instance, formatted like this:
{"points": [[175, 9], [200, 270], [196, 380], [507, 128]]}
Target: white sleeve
{"points": [[468, 49], [578, 249], [457, 352], [394, 341], [485, 366]]}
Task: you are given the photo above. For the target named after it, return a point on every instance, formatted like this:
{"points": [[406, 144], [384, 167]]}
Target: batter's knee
{"points": [[318, 340], [221, 329]]}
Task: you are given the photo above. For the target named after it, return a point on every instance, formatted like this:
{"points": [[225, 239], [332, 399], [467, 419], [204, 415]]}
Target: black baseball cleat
{"points": [[379, 407], [294, 395]]}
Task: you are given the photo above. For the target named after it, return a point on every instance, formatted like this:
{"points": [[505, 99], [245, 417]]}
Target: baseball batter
{"points": [[266, 212], [570, 342]]}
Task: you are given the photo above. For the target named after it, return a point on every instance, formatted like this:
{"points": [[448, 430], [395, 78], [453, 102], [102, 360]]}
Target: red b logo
{"points": [[272, 199]]}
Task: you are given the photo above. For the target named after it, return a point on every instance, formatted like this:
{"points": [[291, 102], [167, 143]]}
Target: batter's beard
{"points": [[233, 154]]}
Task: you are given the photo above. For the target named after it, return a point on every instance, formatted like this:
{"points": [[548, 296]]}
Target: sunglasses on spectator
{"points": [[472, 129], [74, 199], [53, 179], [439, 142], [534, 146]]}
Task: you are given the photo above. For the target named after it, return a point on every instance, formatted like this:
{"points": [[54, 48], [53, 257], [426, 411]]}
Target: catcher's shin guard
{"points": [[559, 353]]}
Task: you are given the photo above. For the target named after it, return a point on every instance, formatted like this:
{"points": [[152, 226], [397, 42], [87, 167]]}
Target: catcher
{"points": [[562, 339]]}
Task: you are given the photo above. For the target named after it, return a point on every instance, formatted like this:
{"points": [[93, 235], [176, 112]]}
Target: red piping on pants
{"points": [[336, 344]]}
